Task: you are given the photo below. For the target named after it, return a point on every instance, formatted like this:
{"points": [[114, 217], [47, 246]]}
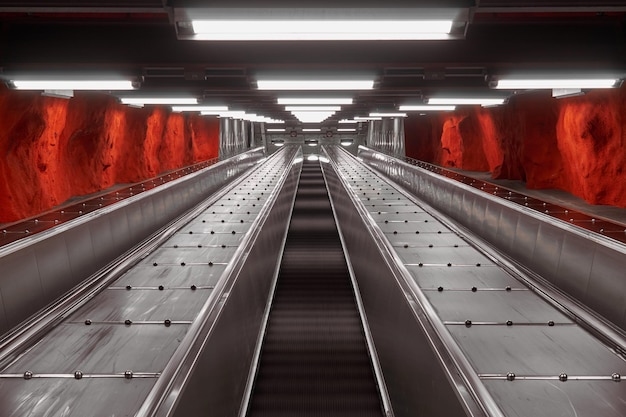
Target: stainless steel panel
{"points": [[72, 398], [92, 241], [422, 227], [173, 275], [205, 239], [102, 349], [562, 399], [485, 276], [609, 285], [558, 251], [463, 255], [536, 350], [493, 306], [423, 239], [54, 268], [144, 305], [190, 255]]}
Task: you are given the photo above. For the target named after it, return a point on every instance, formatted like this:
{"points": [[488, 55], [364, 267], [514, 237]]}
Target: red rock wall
{"points": [[576, 144], [53, 149]]}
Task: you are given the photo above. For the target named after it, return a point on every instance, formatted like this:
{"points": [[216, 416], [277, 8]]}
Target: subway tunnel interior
{"points": [[551, 149]]}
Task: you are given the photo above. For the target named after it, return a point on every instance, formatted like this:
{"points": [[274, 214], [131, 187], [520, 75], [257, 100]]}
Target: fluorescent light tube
{"points": [[345, 121], [301, 30], [532, 84], [275, 130], [139, 101], [312, 108], [311, 130], [367, 119], [427, 108], [205, 109], [347, 142], [315, 84], [346, 130], [387, 115], [313, 101], [93, 84], [466, 101]]}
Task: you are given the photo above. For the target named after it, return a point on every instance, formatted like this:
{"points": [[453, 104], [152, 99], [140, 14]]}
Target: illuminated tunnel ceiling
{"points": [[139, 38]]}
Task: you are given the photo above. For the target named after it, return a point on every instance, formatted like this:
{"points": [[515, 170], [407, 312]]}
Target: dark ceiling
{"points": [[139, 38]]}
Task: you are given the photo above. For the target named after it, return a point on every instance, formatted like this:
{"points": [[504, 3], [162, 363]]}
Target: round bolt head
{"points": [[550, 323], [88, 322], [128, 374], [440, 289], [128, 322], [468, 323], [128, 287], [28, 375], [167, 322], [474, 289], [509, 323], [507, 288], [563, 377], [193, 288], [616, 377], [510, 376], [78, 375], [161, 287]]}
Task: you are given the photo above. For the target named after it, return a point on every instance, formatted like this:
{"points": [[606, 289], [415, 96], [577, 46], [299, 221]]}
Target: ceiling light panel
{"points": [[387, 114], [304, 101], [317, 85], [205, 109], [82, 84], [312, 108], [460, 101], [426, 108], [140, 101], [532, 84]]}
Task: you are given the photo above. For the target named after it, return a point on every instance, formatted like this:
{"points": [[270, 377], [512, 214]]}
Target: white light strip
{"points": [[311, 130], [345, 121], [387, 115], [313, 101], [466, 101], [315, 84], [275, 130], [73, 84], [204, 109], [427, 108], [263, 30], [139, 101], [312, 108], [514, 84], [346, 130], [367, 119]]}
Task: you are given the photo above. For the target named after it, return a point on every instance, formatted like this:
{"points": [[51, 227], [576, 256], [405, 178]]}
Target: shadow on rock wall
{"points": [[574, 144], [54, 149]]}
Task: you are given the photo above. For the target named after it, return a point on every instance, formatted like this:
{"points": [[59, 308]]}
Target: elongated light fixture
{"points": [[205, 109], [346, 121], [426, 108], [376, 114], [68, 84], [555, 83], [140, 101], [319, 85], [303, 101], [460, 101], [346, 130], [312, 108], [319, 29], [312, 130], [275, 130], [367, 118]]}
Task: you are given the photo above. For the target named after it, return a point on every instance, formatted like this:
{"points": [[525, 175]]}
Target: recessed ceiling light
{"points": [[532, 84], [426, 108], [205, 109], [69, 84], [318, 85], [140, 101], [313, 101], [483, 101]]}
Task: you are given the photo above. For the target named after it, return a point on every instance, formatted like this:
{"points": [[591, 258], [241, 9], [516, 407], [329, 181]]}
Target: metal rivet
{"points": [[190, 232], [616, 377], [128, 287], [161, 287], [233, 232], [203, 221], [128, 374], [478, 264], [212, 232], [550, 323], [182, 264], [468, 323], [449, 264], [406, 246], [28, 375], [223, 246], [193, 288], [155, 264], [210, 263], [439, 232], [420, 264], [167, 322], [509, 323], [395, 233], [430, 246], [563, 377], [222, 221], [507, 288], [510, 376], [78, 375], [440, 289], [386, 221], [199, 246], [88, 322], [128, 322], [474, 289], [456, 246], [175, 246]]}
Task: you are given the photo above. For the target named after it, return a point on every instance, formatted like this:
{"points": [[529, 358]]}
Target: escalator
{"points": [[314, 359]]}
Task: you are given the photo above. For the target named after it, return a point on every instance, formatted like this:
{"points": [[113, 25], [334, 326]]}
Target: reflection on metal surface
{"points": [[513, 339]]}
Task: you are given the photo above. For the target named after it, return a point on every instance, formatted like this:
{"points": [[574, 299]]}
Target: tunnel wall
{"points": [[53, 149], [575, 144]]}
